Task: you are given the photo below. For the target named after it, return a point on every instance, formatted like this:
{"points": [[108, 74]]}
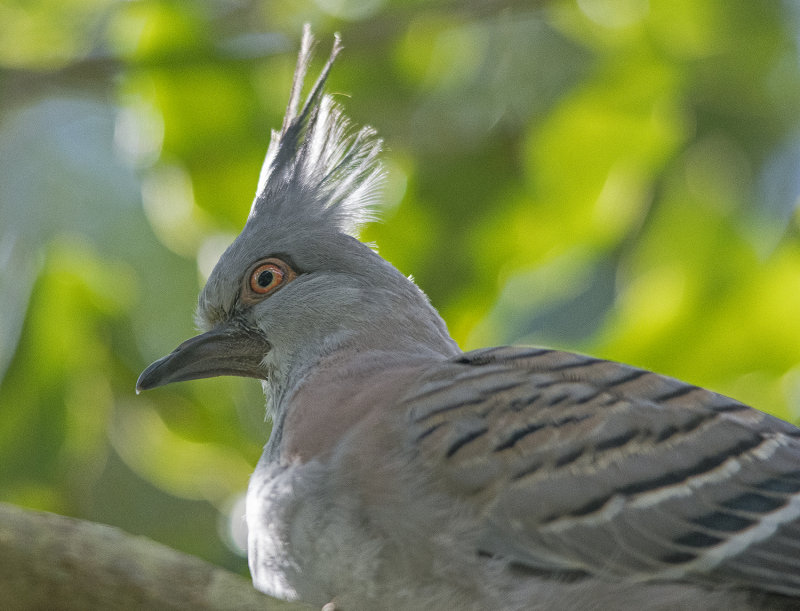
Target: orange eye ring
{"points": [[266, 278]]}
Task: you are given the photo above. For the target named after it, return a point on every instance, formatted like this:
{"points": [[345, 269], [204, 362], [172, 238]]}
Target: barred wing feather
{"points": [[580, 467]]}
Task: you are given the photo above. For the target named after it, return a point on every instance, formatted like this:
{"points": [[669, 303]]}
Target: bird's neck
{"points": [[337, 392], [290, 372], [390, 328]]}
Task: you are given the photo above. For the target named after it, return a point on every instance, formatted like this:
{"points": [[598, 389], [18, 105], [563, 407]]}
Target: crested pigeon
{"points": [[403, 473]]}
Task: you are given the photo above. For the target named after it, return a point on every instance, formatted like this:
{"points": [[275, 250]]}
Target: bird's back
{"points": [[580, 468]]}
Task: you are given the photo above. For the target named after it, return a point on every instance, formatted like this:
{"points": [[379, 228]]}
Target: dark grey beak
{"points": [[224, 351]]}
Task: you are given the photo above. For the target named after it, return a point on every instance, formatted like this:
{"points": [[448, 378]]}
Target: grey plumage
{"points": [[402, 473]]}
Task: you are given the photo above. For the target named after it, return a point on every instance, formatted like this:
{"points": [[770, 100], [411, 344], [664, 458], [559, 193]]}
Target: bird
{"points": [[404, 473]]}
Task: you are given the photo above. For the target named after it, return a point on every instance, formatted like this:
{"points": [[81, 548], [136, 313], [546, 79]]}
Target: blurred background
{"points": [[615, 177]]}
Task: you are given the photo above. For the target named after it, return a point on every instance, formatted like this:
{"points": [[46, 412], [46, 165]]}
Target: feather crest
{"points": [[318, 167]]}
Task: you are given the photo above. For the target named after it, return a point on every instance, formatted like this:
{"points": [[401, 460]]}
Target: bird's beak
{"points": [[222, 351]]}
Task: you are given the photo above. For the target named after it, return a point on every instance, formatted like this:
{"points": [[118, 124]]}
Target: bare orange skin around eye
{"points": [[266, 277]]}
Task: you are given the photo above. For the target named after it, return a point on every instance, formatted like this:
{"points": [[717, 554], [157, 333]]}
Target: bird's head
{"points": [[296, 284]]}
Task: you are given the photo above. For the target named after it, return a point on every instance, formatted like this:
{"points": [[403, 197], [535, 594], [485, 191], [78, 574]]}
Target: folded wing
{"points": [[581, 467]]}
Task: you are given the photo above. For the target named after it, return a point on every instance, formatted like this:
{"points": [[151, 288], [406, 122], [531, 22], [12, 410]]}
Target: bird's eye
{"points": [[265, 277]]}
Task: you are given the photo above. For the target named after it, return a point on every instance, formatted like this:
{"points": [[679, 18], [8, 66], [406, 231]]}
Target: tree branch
{"points": [[49, 561]]}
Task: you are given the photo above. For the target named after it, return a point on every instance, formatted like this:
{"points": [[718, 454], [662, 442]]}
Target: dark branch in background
{"points": [[49, 561], [97, 71]]}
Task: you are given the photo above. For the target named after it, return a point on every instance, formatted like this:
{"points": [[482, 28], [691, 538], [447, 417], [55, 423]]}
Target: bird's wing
{"points": [[579, 466]]}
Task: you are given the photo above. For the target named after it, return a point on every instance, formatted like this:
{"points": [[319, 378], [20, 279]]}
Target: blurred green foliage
{"points": [[614, 177]]}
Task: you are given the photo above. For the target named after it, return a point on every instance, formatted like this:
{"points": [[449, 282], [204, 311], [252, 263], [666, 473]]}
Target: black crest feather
{"points": [[318, 167]]}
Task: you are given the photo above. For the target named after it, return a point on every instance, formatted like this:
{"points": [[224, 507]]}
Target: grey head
{"points": [[296, 285]]}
